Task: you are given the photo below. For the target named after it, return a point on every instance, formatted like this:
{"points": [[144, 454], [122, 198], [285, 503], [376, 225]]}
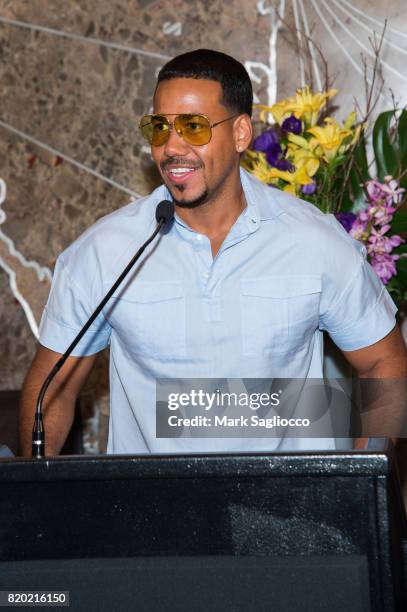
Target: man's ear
{"points": [[243, 132]]}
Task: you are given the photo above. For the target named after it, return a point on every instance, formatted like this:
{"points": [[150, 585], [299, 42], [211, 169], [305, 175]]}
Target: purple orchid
{"points": [[309, 189], [387, 193], [377, 213], [365, 215], [379, 244], [359, 231], [374, 190], [292, 124], [373, 222], [346, 219], [269, 143], [385, 266], [266, 140], [273, 154], [382, 215], [284, 164]]}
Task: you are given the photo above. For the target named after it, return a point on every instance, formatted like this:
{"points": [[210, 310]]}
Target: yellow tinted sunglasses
{"points": [[194, 129]]}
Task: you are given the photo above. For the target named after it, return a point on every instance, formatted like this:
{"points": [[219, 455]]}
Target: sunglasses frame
{"points": [[179, 132]]}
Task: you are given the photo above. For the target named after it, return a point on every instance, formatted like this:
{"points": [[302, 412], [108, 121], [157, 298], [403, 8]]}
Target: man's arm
{"points": [[384, 397], [59, 401]]}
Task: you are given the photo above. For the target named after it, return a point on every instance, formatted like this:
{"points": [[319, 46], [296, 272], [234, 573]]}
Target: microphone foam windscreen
{"points": [[164, 210]]}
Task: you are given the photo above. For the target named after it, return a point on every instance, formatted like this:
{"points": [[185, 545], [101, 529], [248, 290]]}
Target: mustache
{"points": [[179, 161]]}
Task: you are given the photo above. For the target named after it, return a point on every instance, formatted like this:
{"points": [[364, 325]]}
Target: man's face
{"points": [[210, 165]]}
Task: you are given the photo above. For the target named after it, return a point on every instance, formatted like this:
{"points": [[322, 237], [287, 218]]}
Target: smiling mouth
{"points": [[180, 174]]}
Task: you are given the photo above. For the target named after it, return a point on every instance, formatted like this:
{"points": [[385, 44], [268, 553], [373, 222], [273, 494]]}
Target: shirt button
{"points": [[254, 221], [206, 275], [199, 236]]}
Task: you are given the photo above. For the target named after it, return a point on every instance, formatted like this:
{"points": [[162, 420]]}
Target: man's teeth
{"points": [[180, 170]]}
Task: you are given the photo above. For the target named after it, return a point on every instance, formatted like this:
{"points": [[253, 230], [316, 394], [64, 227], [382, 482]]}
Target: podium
{"points": [[248, 532]]}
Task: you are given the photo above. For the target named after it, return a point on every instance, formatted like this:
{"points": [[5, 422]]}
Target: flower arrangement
{"points": [[307, 153], [371, 224], [304, 151]]}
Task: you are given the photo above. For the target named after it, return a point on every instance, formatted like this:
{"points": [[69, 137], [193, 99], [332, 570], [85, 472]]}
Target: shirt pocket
{"points": [[150, 317], [278, 314]]}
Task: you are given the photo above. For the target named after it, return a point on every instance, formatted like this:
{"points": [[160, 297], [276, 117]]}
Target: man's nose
{"points": [[175, 144]]}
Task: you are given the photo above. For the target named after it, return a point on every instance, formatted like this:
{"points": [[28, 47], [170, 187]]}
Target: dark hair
{"points": [[214, 66]]}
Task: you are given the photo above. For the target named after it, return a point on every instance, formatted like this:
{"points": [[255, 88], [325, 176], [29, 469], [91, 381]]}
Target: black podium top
{"points": [[376, 460]]}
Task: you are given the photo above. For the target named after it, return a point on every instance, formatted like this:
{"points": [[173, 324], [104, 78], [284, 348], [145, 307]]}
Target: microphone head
{"points": [[164, 212]]}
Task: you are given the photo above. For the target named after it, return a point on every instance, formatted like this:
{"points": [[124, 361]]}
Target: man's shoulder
{"points": [[120, 228], [137, 216], [273, 202], [298, 218]]}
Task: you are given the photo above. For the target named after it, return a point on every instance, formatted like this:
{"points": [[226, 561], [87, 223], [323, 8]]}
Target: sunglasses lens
{"points": [[155, 129], [195, 129]]}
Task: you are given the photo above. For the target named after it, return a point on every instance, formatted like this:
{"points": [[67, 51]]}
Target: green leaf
{"points": [[360, 160], [384, 149], [402, 138], [347, 203], [399, 223], [336, 163], [357, 194], [400, 249], [353, 198], [401, 277], [394, 287], [402, 266]]}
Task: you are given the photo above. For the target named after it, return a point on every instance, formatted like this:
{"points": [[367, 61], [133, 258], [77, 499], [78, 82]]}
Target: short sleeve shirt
{"points": [[284, 273]]}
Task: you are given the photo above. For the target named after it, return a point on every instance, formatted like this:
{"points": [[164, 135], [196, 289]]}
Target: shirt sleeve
{"points": [[357, 309], [67, 310]]}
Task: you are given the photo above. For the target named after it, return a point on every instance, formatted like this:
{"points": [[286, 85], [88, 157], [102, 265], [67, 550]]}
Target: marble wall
{"points": [[75, 78]]}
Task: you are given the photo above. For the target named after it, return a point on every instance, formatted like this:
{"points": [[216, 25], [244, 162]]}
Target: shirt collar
{"points": [[262, 199]]}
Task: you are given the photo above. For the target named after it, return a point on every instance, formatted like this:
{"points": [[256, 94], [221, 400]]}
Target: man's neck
{"points": [[217, 216]]}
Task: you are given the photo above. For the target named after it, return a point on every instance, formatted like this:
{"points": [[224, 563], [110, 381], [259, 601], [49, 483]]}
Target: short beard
{"points": [[192, 203]]}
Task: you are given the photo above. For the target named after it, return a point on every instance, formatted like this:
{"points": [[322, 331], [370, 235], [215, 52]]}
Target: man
{"points": [[240, 285]]}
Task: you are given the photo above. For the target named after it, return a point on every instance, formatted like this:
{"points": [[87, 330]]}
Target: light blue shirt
{"points": [[284, 273]]}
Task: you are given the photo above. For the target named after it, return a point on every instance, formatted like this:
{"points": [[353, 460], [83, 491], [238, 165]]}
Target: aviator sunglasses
{"points": [[194, 129]]}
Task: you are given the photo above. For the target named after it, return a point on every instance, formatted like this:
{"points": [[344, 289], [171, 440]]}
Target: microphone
{"points": [[164, 214], [164, 211]]}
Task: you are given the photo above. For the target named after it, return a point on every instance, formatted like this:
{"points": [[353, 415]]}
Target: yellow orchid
{"points": [[264, 111], [329, 139], [304, 105], [305, 158], [299, 141], [256, 163], [301, 153], [350, 121], [356, 133], [294, 179]]}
